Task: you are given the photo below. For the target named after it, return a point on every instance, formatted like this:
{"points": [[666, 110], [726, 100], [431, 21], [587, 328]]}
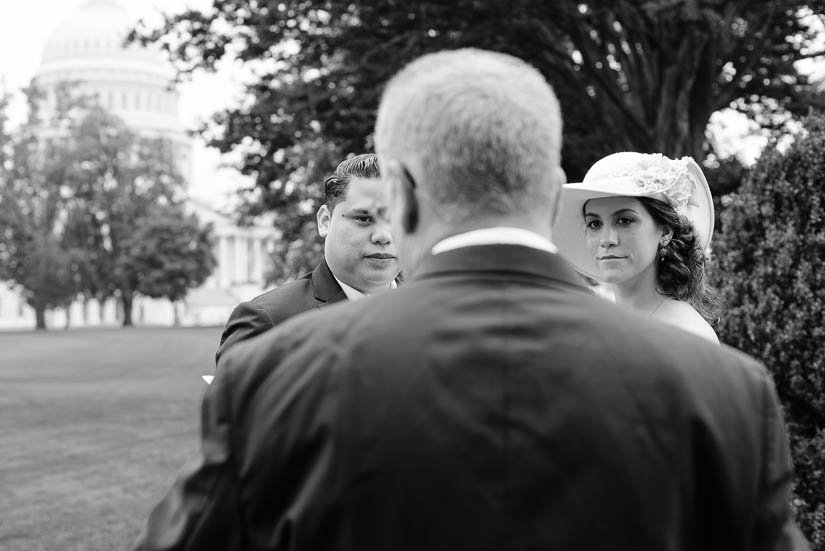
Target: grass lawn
{"points": [[94, 425]]}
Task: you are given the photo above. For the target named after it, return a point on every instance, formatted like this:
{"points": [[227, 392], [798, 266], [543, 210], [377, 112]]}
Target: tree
{"points": [[118, 178], [5, 135], [170, 253], [92, 265], [76, 185], [32, 200], [770, 259], [643, 76]]}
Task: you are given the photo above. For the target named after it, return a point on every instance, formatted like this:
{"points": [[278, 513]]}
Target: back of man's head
{"points": [[360, 166], [478, 132]]}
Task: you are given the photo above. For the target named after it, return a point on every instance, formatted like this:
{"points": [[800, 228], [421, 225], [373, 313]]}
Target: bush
{"points": [[771, 274]]}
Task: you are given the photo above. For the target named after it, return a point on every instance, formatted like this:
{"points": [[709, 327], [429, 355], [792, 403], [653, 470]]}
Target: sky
{"points": [[25, 27]]}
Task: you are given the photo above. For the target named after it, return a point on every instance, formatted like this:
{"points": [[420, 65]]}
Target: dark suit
{"points": [[312, 290], [491, 404]]}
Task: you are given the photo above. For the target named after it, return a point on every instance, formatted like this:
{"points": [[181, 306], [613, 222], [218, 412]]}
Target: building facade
{"points": [[87, 50]]}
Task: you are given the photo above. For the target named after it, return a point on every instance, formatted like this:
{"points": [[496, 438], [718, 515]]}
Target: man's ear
{"points": [[559, 179], [402, 199], [409, 206], [324, 217]]}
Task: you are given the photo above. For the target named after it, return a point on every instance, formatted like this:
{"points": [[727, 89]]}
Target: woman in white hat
{"points": [[641, 224]]}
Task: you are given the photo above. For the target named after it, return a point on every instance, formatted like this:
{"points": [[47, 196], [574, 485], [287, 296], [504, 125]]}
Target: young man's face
{"points": [[358, 246]]}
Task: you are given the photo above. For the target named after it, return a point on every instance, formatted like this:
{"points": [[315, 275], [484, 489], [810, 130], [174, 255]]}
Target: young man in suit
{"points": [[493, 402], [359, 255]]}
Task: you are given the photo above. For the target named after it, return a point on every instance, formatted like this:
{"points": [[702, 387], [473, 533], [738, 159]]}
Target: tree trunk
{"points": [[68, 317], [40, 317], [126, 300], [176, 313]]}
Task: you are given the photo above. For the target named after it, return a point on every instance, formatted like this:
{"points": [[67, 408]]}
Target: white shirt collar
{"points": [[498, 235], [353, 293]]}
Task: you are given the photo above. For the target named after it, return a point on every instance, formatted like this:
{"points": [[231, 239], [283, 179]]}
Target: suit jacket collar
{"points": [[500, 259], [325, 287]]}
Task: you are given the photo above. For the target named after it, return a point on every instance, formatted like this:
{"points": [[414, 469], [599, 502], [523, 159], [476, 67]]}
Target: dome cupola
{"points": [[133, 82]]}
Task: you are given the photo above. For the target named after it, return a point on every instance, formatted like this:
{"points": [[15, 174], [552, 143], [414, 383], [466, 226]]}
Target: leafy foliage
{"points": [[117, 180], [642, 76], [75, 189], [32, 201], [170, 253], [770, 273]]}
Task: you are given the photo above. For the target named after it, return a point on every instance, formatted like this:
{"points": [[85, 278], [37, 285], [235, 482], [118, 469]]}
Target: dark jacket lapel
{"points": [[325, 286]]}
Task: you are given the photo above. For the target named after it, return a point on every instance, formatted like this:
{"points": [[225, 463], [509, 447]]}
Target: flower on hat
{"points": [[661, 175]]}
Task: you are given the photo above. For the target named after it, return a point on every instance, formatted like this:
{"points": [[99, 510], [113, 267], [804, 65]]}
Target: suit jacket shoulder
{"points": [[311, 290], [491, 403]]}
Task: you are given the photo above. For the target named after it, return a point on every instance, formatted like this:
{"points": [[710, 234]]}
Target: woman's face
{"points": [[622, 238]]}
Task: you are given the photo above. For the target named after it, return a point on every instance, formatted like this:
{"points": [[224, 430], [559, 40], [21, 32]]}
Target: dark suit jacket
{"points": [[491, 404], [312, 290]]}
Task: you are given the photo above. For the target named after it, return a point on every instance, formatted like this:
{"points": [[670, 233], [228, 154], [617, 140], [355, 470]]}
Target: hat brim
{"points": [[569, 227]]}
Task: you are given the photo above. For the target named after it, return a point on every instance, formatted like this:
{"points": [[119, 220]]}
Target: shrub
{"points": [[771, 274]]}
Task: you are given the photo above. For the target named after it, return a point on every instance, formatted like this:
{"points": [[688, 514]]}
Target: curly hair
{"points": [[682, 262]]}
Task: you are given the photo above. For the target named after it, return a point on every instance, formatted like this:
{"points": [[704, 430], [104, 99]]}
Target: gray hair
{"points": [[484, 127]]}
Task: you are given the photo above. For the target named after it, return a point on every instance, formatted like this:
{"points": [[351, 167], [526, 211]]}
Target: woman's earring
{"points": [[662, 253]]}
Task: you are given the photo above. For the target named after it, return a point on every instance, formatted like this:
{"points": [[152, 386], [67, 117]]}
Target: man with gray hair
{"points": [[493, 402]]}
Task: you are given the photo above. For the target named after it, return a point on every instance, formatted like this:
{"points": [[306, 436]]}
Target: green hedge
{"points": [[770, 269]]}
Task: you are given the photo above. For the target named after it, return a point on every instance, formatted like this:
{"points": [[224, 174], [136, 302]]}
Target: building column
{"points": [[240, 259], [224, 262], [258, 276]]}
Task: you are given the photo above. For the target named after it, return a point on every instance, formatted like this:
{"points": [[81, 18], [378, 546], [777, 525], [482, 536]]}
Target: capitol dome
{"points": [[132, 82]]}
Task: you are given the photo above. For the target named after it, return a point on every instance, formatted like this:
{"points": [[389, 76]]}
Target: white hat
{"points": [[680, 183]]}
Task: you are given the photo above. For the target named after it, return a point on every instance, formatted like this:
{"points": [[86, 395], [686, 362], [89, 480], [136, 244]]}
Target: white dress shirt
{"points": [[353, 293], [497, 235]]}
